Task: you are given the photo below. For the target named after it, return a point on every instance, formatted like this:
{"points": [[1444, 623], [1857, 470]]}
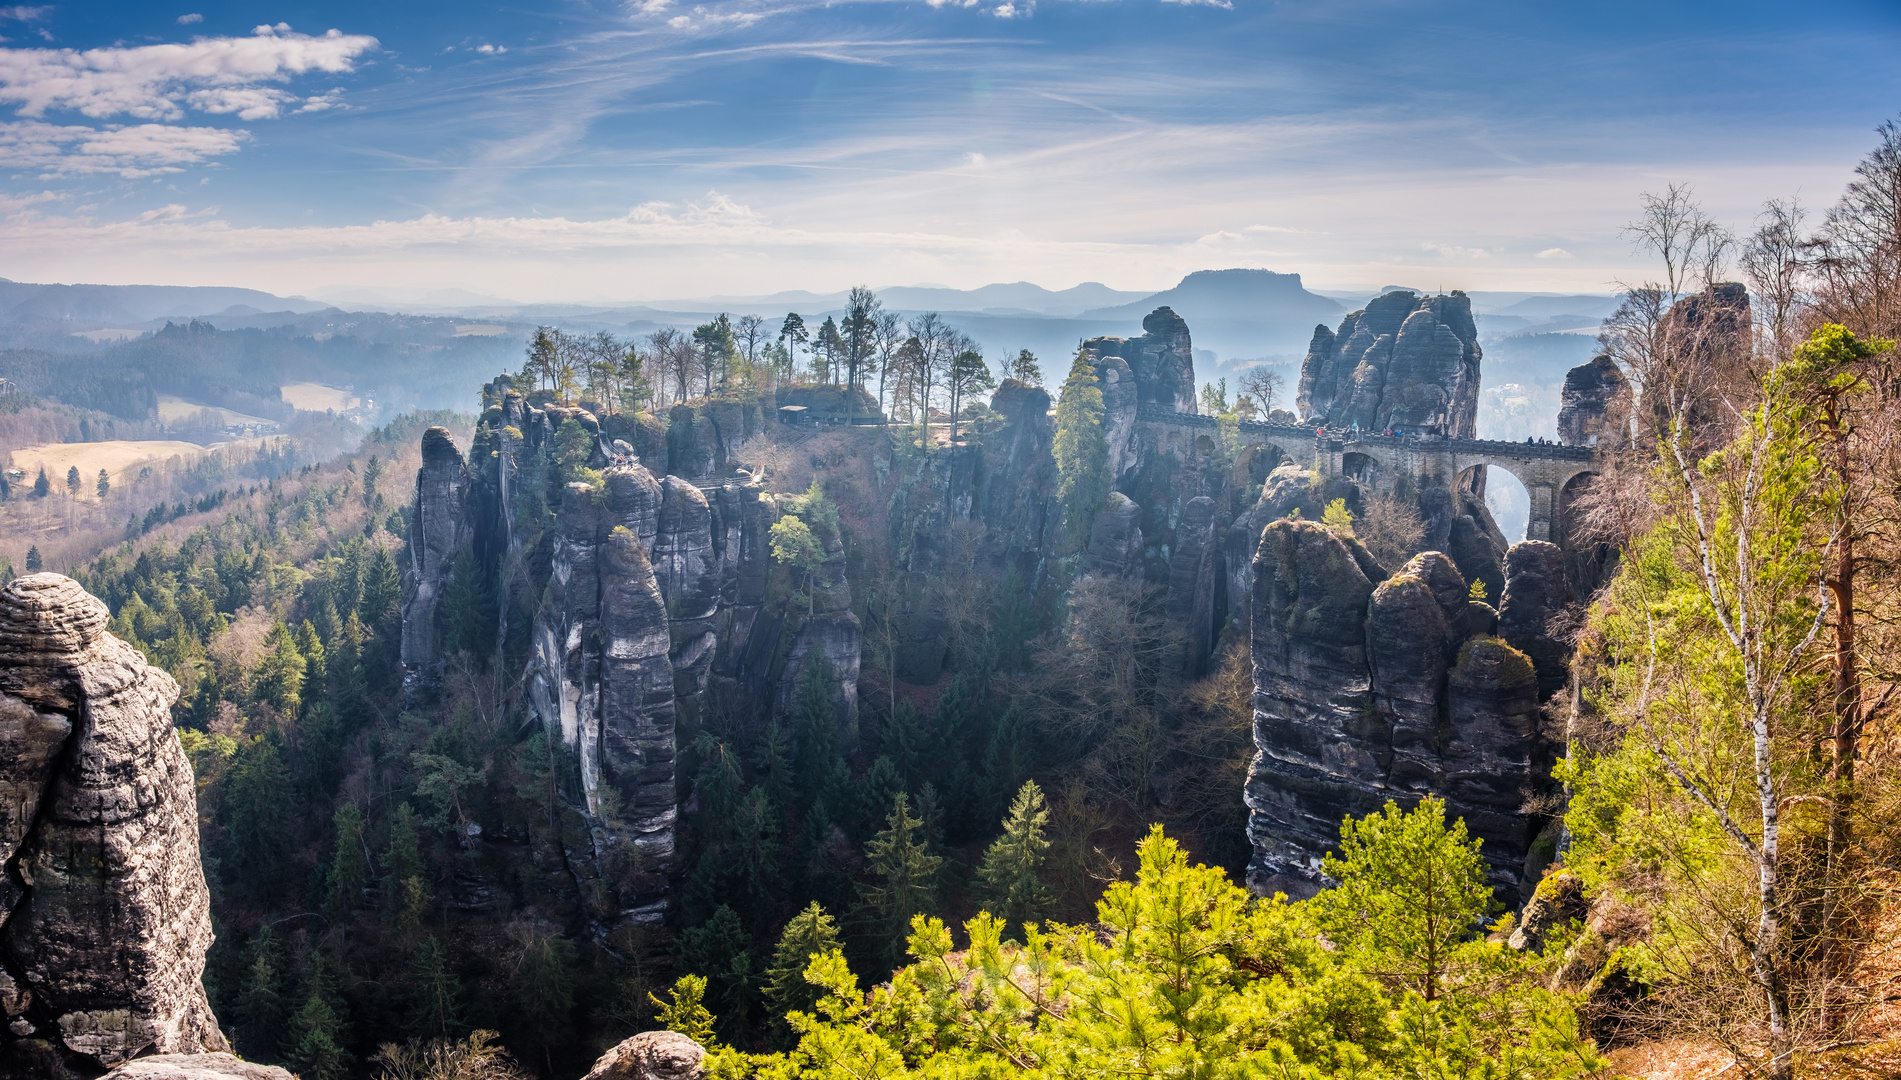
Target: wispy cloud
{"points": [[54, 150], [157, 82], [1554, 253], [22, 13], [187, 20]]}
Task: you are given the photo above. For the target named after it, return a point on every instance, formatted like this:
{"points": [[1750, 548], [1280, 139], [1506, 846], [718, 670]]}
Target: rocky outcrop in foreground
{"points": [[198, 1067], [1369, 687], [106, 915], [651, 1055]]}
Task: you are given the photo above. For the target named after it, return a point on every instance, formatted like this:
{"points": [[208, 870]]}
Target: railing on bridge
{"points": [[1289, 432]]}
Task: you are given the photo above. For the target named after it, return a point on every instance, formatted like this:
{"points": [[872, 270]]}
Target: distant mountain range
{"points": [[1234, 315], [24, 302]]}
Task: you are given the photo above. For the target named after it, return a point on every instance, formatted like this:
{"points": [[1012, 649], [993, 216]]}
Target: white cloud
{"points": [[1554, 253], [250, 103], [132, 152], [1454, 251], [187, 20], [329, 99], [680, 22], [22, 13], [150, 81], [1225, 4]]}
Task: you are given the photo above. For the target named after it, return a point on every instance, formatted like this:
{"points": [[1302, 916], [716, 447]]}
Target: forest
{"points": [[1031, 859]]}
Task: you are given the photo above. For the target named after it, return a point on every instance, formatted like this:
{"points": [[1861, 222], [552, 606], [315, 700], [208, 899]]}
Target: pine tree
{"points": [[1006, 760], [903, 881], [811, 933], [1025, 369], [40, 484], [907, 744], [72, 481], [1081, 450], [349, 870], [685, 1010], [105, 484], [33, 563], [469, 609], [1412, 890], [1009, 882]]}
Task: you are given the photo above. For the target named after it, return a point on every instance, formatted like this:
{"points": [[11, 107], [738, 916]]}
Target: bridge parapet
{"points": [[1543, 468]]}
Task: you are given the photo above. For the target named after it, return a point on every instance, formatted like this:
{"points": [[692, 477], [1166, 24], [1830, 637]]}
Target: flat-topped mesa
{"points": [[106, 918], [1161, 360], [1405, 362]]}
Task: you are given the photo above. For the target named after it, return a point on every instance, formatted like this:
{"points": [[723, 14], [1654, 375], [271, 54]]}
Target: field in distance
{"points": [[173, 409], [121, 458], [316, 397]]}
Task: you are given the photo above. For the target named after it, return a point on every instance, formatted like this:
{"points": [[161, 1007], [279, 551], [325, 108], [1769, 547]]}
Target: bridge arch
{"points": [[1543, 475]]}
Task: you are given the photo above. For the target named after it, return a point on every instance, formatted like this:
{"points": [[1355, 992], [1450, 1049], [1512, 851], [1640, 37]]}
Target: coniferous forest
{"points": [[1252, 678]]}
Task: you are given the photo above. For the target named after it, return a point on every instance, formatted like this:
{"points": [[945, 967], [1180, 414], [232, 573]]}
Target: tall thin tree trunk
{"points": [[1847, 692]]}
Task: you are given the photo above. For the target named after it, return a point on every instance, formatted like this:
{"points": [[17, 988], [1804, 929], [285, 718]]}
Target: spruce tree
{"points": [[349, 870], [811, 933], [260, 1010], [903, 881], [542, 993], [317, 1031], [405, 895], [279, 679], [40, 484], [721, 951], [685, 1011], [72, 481], [1009, 882], [819, 763], [33, 563], [259, 830], [1081, 450], [438, 1007], [105, 484]]}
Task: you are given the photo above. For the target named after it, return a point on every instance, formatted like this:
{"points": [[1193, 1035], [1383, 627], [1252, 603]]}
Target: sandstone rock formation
{"points": [[106, 914], [1115, 542], [648, 592], [1594, 404], [1406, 361], [1371, 687], [651, 1055], [1162, 361], [1536, 591], [197, 1067], [438, 529]]}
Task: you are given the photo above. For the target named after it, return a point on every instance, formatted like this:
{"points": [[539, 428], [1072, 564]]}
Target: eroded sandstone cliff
{"points": [[106, 914]]}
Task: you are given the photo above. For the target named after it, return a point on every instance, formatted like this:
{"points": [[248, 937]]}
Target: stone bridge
{"points": [[1381, 462]]}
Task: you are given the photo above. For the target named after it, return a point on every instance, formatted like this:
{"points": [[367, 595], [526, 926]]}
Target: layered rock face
{"points": [[437, 530], [106, 914], [1406, 361], [654, 596], [1594, 404], [1162, 360], [1371, 687]]}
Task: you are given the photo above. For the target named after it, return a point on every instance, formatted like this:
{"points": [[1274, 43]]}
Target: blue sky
{"points": [[668, 148]]}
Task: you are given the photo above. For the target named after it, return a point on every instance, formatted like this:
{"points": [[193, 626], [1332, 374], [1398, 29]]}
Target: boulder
{"points": [[652, 1055], [197, 1067], [106, 914]]}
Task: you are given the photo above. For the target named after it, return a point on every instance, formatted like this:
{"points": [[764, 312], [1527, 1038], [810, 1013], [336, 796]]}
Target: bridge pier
{"points": [[1544, 499]]}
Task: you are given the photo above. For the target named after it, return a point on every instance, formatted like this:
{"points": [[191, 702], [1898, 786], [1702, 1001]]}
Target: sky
{"points": [[609, 150]]}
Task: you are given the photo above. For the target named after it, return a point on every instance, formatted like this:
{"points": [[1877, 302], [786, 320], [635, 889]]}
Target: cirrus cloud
{"points": [[157, 82]]}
